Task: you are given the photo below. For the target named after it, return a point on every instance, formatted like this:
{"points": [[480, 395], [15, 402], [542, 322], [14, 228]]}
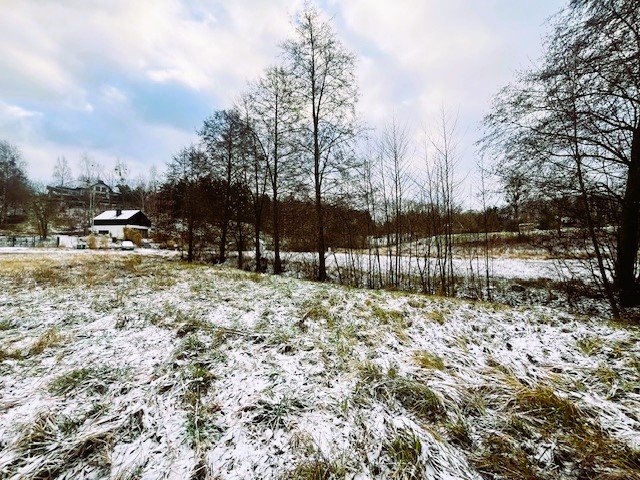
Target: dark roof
{"points": [[126, 217]]}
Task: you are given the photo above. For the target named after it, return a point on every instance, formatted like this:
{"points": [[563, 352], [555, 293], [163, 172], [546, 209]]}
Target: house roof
{"points": [[113, 215]]}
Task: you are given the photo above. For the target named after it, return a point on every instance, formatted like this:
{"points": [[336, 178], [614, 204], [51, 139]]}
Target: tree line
{"points": [[291, 164]]}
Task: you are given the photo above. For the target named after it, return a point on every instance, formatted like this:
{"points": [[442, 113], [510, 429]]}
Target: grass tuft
{"points": [[459, 433], [418, 398], [544, 404], [590, 345], [498, 457], [90, 380], [6, 325], [274, 415], [437, 316], [318, 468], [386, 316], [412, 394], [49, 338], [405, 451], [428, 360]]}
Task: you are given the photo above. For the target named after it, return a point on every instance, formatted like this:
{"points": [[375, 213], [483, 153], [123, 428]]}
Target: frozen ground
{"points": [[126, 366]]}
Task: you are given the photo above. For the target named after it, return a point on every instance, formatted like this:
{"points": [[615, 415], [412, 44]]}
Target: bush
{"points": [[97, 242], [133, 235]]}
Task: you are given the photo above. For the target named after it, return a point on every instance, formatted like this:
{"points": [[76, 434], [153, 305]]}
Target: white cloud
{"points": [[50, 44], [113, 95], [18, 124], [414, 57]]}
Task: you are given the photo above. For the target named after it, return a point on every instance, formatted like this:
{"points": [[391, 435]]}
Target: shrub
{"points": [[97, 242], [133, 235]]}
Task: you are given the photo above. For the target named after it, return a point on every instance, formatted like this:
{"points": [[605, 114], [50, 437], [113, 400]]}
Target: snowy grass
{"points": [[129, 366]]}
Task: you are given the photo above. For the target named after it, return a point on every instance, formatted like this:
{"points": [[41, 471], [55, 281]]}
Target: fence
{"points": [[29, 242]]}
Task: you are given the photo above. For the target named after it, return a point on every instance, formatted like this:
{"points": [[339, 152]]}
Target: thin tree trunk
{"points": [[190, 241], [277, 263]]}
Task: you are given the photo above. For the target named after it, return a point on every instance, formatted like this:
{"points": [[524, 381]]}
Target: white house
{"points": [[113, 223]]}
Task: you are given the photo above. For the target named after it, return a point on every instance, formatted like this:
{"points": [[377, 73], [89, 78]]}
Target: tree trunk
{"points": [[190, 242], [223, 239], [277, 263], [258, 249], [240, 245], [628, 233], [322, 268]]}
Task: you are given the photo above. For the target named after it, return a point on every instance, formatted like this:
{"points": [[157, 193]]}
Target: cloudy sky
{"points": [[134, 79]]}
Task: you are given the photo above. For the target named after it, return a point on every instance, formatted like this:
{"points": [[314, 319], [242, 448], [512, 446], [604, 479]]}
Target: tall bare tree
{"points": [[325, 83], [275, 116], [254, 172], [395, 151], [222, 134], [90, 169]]}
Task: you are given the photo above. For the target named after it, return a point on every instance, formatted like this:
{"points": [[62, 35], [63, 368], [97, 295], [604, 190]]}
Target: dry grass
{"points": [[49, 338], [405, 451], [386, 316], [88, 380], [543, 403], [437, 316], [590, 345], [582, 443], [317, 468], [428, 360], [412, 394], [458, 432], [498, 456], [494, 421]]}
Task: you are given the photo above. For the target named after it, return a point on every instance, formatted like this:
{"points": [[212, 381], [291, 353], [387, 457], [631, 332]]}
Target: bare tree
{"points": [[394, 156], [275, 116], [325, 83], [62, 174], [186, 170], [221, 135], [90, 169], [573, 123], [442, 192], [254, 172], [43, 209]]}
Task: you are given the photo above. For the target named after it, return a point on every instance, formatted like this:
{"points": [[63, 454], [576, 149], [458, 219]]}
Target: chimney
{"points": [[118, 212]]}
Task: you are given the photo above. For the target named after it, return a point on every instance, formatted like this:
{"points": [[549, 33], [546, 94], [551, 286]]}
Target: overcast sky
{"points": [[134, 79]]}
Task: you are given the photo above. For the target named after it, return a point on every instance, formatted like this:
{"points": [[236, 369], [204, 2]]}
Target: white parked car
{"points": [[127, 245]]}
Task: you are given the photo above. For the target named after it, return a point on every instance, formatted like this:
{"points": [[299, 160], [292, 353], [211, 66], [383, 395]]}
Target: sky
{"points": [[134, 80]]}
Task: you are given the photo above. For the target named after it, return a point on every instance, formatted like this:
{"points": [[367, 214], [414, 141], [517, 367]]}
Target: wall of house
{"points": [[117, 231]]}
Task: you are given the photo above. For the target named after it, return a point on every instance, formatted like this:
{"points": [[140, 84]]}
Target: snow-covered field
{"points": [[127, 366], [499, 267]]}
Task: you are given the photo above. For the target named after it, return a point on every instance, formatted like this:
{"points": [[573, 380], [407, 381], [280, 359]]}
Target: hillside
{"points": [[124, 366]]}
